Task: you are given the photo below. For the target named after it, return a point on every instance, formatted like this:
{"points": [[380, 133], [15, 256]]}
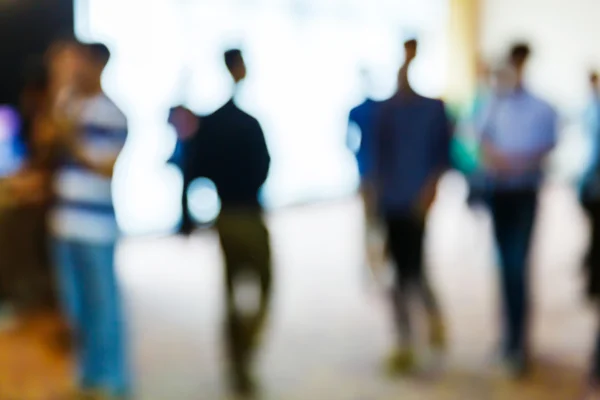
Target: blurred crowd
{"points": [[58, 230]]}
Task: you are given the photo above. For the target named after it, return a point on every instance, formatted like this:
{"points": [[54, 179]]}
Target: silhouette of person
{"points": [[518, 133], [363, 117], [85, 230], [230, 149], [412, 151], [590, 200], [186, 126]]}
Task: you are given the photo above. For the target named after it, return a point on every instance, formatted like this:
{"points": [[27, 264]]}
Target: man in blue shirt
{"points": [[412, 150], [186, 126], [590, 199], [362, 118], [518, 133]]}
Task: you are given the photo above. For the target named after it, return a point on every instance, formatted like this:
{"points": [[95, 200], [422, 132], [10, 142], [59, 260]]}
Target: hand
{"points": [[496, 161], [426, 198]]}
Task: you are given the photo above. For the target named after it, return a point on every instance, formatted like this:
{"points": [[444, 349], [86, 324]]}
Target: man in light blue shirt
{"points": [[518, 133]]}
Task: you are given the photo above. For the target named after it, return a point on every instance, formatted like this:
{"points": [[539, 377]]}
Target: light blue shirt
{"points": [[590, 182], [519, 124]]}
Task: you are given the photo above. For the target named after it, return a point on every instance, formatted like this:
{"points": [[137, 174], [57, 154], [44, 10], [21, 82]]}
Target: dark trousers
{"points": [[592, 271], [246, 248], [405, 244], [514, 214], [26, 279]]}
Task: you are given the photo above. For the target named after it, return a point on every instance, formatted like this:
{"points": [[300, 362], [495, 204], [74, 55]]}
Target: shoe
{"points": [[437, 334], [401, 362]]}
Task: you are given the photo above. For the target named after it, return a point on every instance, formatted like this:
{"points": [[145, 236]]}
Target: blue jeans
{"points": [[514, 217], [88, 289]]}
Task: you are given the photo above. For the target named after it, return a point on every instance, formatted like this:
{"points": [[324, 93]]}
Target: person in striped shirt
{"points": [[85, 231]]}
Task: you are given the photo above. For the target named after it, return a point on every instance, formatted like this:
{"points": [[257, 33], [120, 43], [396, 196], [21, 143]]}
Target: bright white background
{"points": [[303, 57]]}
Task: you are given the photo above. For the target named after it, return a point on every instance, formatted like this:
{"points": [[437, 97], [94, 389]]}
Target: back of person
{"points": [[413, 145], [230, 150]]}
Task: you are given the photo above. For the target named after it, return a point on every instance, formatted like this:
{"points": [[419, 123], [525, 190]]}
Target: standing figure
{"points": [[230, 150], [518, 133], [590, 200], [85, 231], [412, 152], [363, 118]]}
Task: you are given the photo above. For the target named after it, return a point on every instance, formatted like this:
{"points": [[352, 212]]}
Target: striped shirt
{"points": [[84, 208]]}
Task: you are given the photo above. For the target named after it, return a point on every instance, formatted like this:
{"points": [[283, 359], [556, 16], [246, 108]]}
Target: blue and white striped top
{"points": [[84, 207]]}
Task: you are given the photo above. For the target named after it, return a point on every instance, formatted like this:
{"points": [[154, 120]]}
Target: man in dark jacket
{"points": [[229, 148]]}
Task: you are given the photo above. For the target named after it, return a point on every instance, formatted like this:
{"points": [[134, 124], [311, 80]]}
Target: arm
{"points": [[104, 168], [441, 157], [263, 157]]}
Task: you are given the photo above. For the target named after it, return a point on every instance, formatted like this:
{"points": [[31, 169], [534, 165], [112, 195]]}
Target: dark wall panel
{"points": [[27, 27]]}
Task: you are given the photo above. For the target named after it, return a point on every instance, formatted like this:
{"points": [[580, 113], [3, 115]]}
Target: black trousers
{"points": [[405, 244], [514, 215], [592, 271]]}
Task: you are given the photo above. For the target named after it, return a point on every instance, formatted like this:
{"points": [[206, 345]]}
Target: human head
{"points": [[183, 121], [518, 57], [410, 50], [93, 59], [236, 66], [63, 64]]}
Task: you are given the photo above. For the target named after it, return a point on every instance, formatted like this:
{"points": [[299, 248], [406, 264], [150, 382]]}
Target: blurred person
{"points": [[590, 200], [470, 136], [412, 152], [519, 131], [186, 125], [85, 230], [25, 272], [229, 148], [363, 117]]}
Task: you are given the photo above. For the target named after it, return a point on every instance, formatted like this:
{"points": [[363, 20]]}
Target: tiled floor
{"points": [[329, 329]]}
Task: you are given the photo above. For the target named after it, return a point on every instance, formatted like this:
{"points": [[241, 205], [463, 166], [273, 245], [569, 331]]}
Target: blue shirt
{"points": [[413, 146], [520, 125], [590, 183], [364, 116]]}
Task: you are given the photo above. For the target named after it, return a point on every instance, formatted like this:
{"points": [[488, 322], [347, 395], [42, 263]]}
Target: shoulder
{"points": [[102, 111], [542, 106], [431, 102]]}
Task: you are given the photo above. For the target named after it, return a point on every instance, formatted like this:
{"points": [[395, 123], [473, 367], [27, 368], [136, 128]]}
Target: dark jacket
{"points": [[230, 150]]}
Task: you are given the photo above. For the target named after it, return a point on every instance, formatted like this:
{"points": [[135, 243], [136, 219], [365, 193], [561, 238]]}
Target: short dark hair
{"points": [[519, 53], [411, 43], [232, 58], [99, 53]]}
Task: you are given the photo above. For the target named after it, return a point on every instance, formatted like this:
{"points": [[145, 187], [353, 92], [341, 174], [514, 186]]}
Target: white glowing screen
{"points": [[304, 59]]}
